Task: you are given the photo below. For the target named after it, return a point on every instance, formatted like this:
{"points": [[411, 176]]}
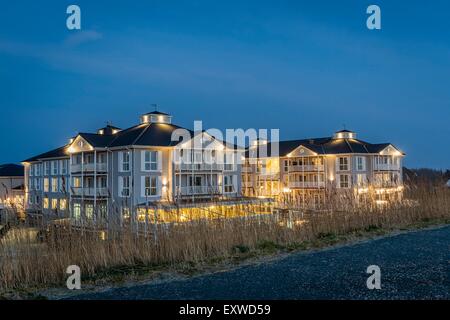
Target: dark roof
{"points": [[326, 145], [56, 153], [11, 170], [97, 140], [147, 134], [158, 113], [19, 187], [345, 130]]}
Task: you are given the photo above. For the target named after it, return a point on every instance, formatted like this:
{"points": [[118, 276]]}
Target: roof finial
{"points": [[154, 105], [344, 126]]}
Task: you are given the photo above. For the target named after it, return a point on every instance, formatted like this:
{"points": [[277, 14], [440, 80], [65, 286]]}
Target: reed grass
{"points": [[26, 263]]}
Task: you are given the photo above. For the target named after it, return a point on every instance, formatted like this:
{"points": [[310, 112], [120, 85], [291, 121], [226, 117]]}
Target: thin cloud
{"points": [[79, 37]]}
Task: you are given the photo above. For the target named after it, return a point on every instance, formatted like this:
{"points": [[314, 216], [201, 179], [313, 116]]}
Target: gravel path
{"points": [[414, 265]]}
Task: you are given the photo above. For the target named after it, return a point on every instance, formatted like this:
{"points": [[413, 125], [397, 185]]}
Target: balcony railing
{"points": [[386, 166], [199, 167], [307, 184], [198, 190], [306, 167], [387, 184], [246, 169], [90, 192], [88, 167]]}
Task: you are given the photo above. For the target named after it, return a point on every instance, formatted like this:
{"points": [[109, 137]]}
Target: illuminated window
{"points": [[62, 204], [89, 211], [54, 204], [361, 179], [126, 213], [76, 211], [77, 182], [45, 203], [55, 185], [46, 185]]}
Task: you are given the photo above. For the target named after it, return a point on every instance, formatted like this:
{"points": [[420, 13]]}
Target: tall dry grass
{"points": [[25, 262]]}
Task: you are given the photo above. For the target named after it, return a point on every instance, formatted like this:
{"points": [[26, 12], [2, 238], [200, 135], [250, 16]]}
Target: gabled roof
{"points": [[60, 152], [11, 170], [327, 145]]}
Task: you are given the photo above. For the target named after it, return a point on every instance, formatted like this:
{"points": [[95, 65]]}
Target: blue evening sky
{"points": [[305, 67]]}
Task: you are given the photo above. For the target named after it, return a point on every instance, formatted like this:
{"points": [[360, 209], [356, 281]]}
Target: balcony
{"points": [[306, 167], [386, 167], [307, 184], [201, 167], [90, 192], [386, 184], [88, 167], [246, 169], [198, 190]]}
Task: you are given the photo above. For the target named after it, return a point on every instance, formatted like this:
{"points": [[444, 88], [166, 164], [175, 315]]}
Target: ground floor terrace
{"points": [[119, 214]]}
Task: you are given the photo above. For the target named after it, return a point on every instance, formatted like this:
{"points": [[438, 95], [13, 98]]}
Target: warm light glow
{"points": [[100, 131], [363, 190], [286, 190], [71, 149], [115, 131], [160, 118]]}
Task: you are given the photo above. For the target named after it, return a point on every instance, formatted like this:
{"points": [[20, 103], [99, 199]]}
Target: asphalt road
{"points": [[413, 265]]}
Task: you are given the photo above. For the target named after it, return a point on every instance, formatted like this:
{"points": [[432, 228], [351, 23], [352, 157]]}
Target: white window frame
{"points": [[46, 168], [363, 163], [54, 167], [153, 161], [341, 181], [54, 186], [77, 211], [45, 203], [228, 183], [61, 206], [63, 166], [122, 186], [340, 165], [123, 163], [363, 178], [37, 169], [46, 184], [154, 184]]}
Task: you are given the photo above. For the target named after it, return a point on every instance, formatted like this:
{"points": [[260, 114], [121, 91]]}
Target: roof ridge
{"points": [[348, 144], [141, 134]]}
